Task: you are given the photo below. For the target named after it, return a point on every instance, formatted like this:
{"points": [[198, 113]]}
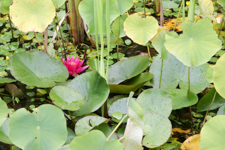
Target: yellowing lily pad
{"points": [[196, 45], [207, 8], [140, 30], [32, 15]]}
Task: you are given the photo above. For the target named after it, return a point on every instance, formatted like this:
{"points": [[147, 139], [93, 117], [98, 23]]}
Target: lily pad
{"points": [[155, 100], [140, 30], [118, 106], [37, 69], [212, 134], [32, 16], [209, 74], [221, 110], [200, 40], [131, 85], [206, 100], [58, 3], [36, 131], [94, 140], [160, 129], [117, 26], [181, 98], [218, 76], [4, 6], [174, 73], [6, 80], [85, 124], [127, 68], [66, 98], [3, 111], [133, 136], [4, 132], [207, 8], [221, 2], [94, 89]]}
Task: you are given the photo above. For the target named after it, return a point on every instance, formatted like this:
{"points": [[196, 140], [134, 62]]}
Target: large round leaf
{"points": [[66, 98], [221, 2], [3, 111], [140, 30], [86, 9], [32, 15], [58, 3], [4, 6], [94, 140], [182, 98], [37, 69], [118, 106], [124, 5], [174, 73], [200, 41], [160, 129], [127, 69], [207, 8], [132, 84], [218, 76], [4, 132], [94, 89], [212, 134], [44, 129], [85, 124], [155, 100]]}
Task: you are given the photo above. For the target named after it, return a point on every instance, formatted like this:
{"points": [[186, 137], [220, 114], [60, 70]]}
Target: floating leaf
{"points": [[4, 132], [209, 74], [58, 3], [94, 89], [200, 41], [160, 129], [212, 134], [32, 16], [37, 69], [66, 98], [218, 76], [140, 30], [160, 101], [206, 100], [131, 85], [207, 8], [127, 68], [221, 2], [4, 6], [44, 129], [117, 26], [181, 98], [118, 106], [85, 124], [221, 110], [6, 80], [192, 143], [3, 111], [94, 140]]}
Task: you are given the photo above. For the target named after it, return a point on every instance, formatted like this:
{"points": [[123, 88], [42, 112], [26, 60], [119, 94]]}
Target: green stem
{"points": [[96, 32], [189, 80], [149, 54], [183, 2], [43, 41], [118, 43], [121, 138], [108, 39], [191, 11], [179, 15], [10, 23], [121, 121], [161, 75], [209, 107], [58, 35], [71, 118], [38, 41], [144, 8]]}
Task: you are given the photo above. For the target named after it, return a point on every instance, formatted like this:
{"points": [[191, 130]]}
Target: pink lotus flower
{"points": [[74, 65]]}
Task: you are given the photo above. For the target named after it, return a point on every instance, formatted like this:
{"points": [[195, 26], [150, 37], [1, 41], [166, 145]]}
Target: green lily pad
{"points": [[221, 2], [86, 9], [118, 106], [66, 98], [181, 99], [207, 9], [140, 30], [127, 68], [94, 140], [70, 136], [4, 6], [44, 129], [212, 134], [209, 74], [4, 132], [221, 110], [206, 100], [155, 100], [85, 124], [117, 26], [124, 6], [6, 80], [3, 111], [37, 69], [94, 89], [160, 129], [32, 16], [174, 73], [133, 136], [200, 40], [131, 85], [218, 76], [58, 3], [104, 127]]}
